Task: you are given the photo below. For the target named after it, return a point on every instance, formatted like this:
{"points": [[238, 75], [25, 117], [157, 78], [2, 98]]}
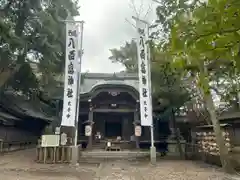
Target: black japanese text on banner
{"points": [[143, 73], [71, 75]]}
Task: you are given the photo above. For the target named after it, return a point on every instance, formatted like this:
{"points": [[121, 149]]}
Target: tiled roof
{"points": [[20, 107], [92, 80], [7, 116]]}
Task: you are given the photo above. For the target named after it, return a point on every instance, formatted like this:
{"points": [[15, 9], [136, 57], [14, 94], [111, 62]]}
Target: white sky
{"points": [[106, 28]]}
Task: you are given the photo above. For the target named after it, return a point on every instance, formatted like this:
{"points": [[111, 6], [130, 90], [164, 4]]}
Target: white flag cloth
{"points": [[71, 75], [144, 74]]}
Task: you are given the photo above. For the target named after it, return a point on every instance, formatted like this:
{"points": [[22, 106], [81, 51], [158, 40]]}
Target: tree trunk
{"points": [[224, 156], [239, 99], [238, 93], [223, 151], [177, 135]]}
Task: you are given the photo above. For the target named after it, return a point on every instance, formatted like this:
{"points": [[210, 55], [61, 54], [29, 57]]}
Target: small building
{"points": [[232, 117], [22, 119]]}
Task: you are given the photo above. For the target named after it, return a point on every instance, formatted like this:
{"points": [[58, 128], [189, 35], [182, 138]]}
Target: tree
{"points": [[208, 35], [169, 86], [167, 11], [166, 83], [126, 55], [32, 33]]}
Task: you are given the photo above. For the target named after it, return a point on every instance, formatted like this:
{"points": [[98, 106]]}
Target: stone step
{"points": [[236, 150], [113, 154], [231, 177], [100, 145], [106, 156], [102, 159]]}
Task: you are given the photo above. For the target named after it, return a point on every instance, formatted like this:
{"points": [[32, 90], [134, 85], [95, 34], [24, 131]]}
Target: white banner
{"points": [[71, 75], [143, 73]]}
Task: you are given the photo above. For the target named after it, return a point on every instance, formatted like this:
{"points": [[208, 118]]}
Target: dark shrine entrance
{"points": [[114, 124], [113, 129], [112, 115]]}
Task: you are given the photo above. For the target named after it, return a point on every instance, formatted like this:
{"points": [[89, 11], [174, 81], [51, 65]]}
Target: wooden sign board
{"points": [[50, 140], [88, 130], [138, 131]]}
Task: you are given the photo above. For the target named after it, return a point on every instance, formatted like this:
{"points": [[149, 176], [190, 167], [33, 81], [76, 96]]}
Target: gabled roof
{"points": [[112, 83], [230, 115], [93, 80], [6, 116]]}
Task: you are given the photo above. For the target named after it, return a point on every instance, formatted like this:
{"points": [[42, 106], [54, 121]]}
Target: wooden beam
{"points": [[114, 110]]}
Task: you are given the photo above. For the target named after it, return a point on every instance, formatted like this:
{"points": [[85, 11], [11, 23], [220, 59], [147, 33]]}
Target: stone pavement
{"points": [[20, 166]]}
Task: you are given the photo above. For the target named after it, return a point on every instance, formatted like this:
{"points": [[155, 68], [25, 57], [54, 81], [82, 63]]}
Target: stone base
{"points": [[52, 155], [75, 154], [173, 147], [153, 156]]}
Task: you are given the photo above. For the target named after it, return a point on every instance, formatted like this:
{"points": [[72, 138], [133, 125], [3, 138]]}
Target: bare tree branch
{"points": [[148, 11], [129, 22], [133, 6], [141, 6]]}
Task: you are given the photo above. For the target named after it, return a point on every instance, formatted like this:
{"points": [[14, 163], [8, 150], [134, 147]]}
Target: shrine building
{"points": [[109, 104]]}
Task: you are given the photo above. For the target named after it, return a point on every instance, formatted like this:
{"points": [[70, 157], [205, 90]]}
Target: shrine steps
{"points": [[102, 145], [101, 155], [235, 157], [99, 145]]}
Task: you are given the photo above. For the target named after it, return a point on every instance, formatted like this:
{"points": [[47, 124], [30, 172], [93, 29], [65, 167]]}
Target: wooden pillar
{"points": [[90, 119], [125, 129], [172, 134], [104, 128], [136, 119], [157, 131]]}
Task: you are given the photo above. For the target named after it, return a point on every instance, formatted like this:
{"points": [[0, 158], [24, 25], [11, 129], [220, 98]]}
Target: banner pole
{"points": [[79, 83], [149, 87], [152, 148]]}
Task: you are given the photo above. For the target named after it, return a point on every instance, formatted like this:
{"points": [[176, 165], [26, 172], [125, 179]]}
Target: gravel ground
{"points": [[20, 166]]}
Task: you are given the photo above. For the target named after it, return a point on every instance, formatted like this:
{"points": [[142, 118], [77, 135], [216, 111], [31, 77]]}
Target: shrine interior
{"points": [[112, 124]]}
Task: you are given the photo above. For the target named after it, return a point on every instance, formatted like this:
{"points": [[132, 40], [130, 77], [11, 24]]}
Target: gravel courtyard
{"points": [[21, 166]]}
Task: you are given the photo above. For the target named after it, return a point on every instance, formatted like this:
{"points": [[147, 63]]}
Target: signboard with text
{"points": [[50, 140], [144, 74], [71, 75]]}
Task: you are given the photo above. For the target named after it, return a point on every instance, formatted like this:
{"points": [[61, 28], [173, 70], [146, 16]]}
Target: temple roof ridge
{"points": [[108, 75], [90, 81], [113, 82]]}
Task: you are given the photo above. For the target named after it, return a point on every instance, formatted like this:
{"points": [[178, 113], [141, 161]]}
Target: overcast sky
{"points": [[106, 28]]}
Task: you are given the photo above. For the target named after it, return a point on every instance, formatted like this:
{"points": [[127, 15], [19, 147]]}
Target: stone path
{"points": [[20, 166]]}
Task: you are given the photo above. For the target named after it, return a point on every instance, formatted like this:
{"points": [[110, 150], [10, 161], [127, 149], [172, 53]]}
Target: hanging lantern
{"points": [[138, 131], [88, 130]]}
